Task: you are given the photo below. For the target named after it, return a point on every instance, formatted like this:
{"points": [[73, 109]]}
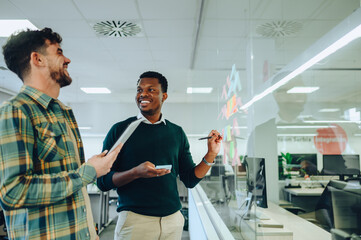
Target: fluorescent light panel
{"points": [[8, 27], [191, 90], [85, 128], [326, 110], [303, 89], [101, 90]]}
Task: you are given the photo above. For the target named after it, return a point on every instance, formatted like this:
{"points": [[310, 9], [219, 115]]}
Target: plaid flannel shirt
{"points": [[40, 180]]}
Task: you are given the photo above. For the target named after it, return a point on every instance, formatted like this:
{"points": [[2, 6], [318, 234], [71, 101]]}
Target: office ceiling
{"points": [[193, 43]]}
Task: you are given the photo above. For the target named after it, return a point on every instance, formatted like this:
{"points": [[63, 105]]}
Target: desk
{"points": [[304, 192], [294, 227], [301, 228], [249, 230], [305, 198]]}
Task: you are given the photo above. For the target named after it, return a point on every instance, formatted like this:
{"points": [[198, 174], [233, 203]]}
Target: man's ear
{"points": [[36, 59], [165, 96]]}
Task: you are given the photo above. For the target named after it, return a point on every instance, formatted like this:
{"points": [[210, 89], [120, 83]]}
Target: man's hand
{"points": [[214, 143], [102, 162], [147, 170]]}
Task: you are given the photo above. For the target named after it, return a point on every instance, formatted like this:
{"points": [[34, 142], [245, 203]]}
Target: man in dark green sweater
{"points": [[148, 202]]}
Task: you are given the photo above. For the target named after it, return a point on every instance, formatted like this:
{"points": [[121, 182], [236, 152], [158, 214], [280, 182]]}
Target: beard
{"points": [[61, 78], [150, 112]]}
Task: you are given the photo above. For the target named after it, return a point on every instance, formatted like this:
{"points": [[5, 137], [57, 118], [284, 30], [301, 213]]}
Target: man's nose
{"points": [[67, 60], [144, 93]]}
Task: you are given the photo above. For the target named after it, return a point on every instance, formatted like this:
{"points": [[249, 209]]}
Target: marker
{"points": [[208, 137], [205, 138]]}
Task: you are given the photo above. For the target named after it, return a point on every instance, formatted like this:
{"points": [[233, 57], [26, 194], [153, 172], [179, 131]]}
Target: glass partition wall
{"points": [[286, 98]]}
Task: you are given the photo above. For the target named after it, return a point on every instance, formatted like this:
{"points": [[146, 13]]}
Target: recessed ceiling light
{"points": [[191, 90], [329, 110], [96, 90], [8, 27], [303, 89]]}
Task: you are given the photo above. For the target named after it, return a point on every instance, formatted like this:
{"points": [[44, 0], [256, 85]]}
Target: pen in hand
{"points": [[208, 137]]}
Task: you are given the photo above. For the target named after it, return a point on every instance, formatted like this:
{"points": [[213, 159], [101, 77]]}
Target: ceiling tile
{"points": [[113, 43], [10, 11], [45, 9], [221, 43], [169, 43], [224, 28], [67, 28], [226, 9], [168, 9], [169, 28], [108, 10], [132, 56]]}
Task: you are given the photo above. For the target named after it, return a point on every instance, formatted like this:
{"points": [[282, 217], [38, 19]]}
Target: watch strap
{"points": [[207, 163]]}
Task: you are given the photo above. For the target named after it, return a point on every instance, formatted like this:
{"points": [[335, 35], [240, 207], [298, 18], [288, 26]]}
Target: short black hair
{"points": [[162, 80], [19, 47]]}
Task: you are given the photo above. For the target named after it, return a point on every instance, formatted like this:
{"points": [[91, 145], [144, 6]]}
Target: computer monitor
{"points": [[342, 165], [307, 161], [256, 180], [346, 207]]}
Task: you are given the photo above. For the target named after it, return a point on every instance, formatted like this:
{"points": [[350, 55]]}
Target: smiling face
{"points": [[150, 97], [58, 64]]}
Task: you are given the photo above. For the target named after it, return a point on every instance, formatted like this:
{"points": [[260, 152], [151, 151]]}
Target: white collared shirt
{"points": [[145, 120]]}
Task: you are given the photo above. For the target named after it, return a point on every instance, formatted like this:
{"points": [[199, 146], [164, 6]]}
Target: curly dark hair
{"points": [[161, 79], [19, 47]]}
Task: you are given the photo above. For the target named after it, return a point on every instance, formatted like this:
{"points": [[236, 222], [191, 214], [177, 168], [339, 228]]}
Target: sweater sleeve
{"points": [[186, 164]]}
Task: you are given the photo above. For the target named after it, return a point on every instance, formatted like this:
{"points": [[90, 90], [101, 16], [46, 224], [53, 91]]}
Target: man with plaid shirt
{"points": [[43, 174]]}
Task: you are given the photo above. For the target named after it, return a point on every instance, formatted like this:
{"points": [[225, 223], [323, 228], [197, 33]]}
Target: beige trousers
{"points": [[135, 226]]}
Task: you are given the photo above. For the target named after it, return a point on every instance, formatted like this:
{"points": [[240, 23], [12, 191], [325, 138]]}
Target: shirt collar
{"points": [[145, 120], [40, 97]]}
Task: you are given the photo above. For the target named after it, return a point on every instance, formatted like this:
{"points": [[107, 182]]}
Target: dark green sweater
{"points": [[160, 144]]}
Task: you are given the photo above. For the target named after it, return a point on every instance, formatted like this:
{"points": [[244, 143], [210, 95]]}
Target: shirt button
{"points": [[87, 234], [84, 209]]}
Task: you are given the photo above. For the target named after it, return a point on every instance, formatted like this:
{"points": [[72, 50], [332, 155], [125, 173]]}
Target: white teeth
{"points": [[144, 102]]}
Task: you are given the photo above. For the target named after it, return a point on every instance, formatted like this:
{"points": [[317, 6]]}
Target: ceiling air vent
{"points": [[279, 28], [117, 28]]}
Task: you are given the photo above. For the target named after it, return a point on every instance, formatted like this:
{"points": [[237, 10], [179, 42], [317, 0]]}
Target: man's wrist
{"points": [[207, 163], [134, 172], [211, 155]]}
